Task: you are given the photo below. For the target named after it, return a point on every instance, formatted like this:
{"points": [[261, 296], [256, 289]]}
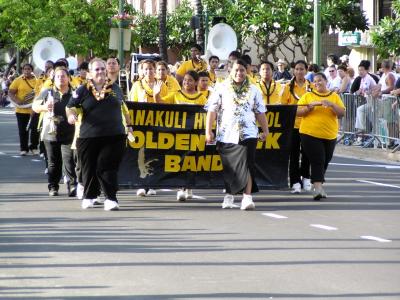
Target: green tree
{"points": [[385, 36], [273, 23]]}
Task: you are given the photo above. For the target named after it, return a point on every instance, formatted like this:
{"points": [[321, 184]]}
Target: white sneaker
{"points": [[46, 171], [110, 205], [97, 201], [181, 195], [188, 194], [307, 184], [228, 201], [151, 192], [296, 188], [79, 191], [247, 203], [141, 192], [87, 203], [23, 153], [65, 179]]}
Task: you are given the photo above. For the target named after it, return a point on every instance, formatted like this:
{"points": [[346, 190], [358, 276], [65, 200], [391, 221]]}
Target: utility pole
{"points": [[121, 55], [317, 33]]}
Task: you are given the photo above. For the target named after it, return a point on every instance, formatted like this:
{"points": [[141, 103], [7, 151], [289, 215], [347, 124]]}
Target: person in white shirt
{"points": [[237, 106], [333, 79]]}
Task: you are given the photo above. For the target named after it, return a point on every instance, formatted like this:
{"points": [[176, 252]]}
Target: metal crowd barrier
{"points": [[371, 122]]}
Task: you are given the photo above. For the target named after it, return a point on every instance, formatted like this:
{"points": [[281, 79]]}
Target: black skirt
{"points": [[238, 164]]}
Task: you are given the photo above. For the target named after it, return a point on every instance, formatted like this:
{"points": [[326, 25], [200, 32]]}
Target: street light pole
{"points": [[121, 56], [317, 33]]}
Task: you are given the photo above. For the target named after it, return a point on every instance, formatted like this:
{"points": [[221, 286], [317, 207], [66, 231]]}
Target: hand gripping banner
{"points": [[169, 150]]}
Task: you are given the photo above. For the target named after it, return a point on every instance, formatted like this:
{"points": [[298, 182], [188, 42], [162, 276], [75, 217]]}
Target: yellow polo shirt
{"points": [[292, 97], [189, 65], [172, 84], [321, 122], [271, 95], [23, 87], [142, 92], [181, 97]]}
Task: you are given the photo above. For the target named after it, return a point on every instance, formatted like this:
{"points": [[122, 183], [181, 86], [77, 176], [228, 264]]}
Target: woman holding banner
{"points": [[320, 110], [236, 105]]}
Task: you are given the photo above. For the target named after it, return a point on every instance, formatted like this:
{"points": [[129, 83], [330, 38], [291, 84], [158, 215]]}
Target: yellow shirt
{"points": [[39, 84], [189, 65], [291, 97], [23, 87], [213, 78], [181, 97], [172, 84], [321, 122], [73, 81], [253, 78], [141, 92], [206, 93], [271, 95]]}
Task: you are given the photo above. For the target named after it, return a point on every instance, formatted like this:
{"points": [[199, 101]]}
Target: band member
{"points": [[299, 174], [143, 89], [252, 76], [213, 63], [113, 68], [237, 105], [170, 81], [319, 129], [22, 92], [57, 133], [204, 84], [270, 89], [195, 63], [83, 71], [48, 67], [102, 138], [188, 95]]}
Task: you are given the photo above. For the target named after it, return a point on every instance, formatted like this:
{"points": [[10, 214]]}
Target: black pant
{"points": [[320, 152], [60, 160], [297, 170], [100, 158], [24, 131]]}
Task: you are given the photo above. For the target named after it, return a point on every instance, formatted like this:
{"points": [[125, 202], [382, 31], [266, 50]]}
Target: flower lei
{"points": [[241, 91], [149, 94], [99, 95], [197, 68]]}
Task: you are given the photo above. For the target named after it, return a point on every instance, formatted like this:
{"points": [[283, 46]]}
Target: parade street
{"points": [[290, 247]]}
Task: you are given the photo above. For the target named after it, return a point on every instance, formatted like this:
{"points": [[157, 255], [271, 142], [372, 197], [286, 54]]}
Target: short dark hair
{"points": [[193, 74], [247, 59], [213, 57], [113, 57], [365, 64], [334, 58], [266, 63], [203, 74], [197, 46], [313, 68], [61, 62], [236, 54], [301, 62], [320, 74], [27, 65], [241, 62], [342, 67], [84, 66]]}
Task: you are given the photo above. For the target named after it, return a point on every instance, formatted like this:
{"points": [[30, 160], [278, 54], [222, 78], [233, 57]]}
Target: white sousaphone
{"points": [[221, 41], [47, 48]]}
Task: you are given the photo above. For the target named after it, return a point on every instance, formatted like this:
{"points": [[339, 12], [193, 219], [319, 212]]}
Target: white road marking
{"points": [[325, 227], [275, 216], [364, 165], [2, 153], [16, 156], [374, 238], [36, 160], [380, 184], [198, 197], [165, 190]]}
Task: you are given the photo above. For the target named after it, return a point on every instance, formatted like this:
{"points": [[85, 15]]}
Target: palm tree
{"points": [[162, 18]]}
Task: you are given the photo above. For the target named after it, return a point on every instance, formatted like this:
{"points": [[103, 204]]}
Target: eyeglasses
{"points": [[100, 69]]}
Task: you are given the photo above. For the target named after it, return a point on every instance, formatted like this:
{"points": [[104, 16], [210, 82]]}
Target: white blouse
{"points": [[236, 120]]}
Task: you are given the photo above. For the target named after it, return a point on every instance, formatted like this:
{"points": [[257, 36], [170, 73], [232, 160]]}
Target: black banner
{"points": [[170, 150]]}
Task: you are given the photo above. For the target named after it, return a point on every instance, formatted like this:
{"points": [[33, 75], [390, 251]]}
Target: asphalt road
{"points": [[290, 247]]}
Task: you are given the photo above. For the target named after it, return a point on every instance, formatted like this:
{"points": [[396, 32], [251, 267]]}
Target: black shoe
{"points": [[72, 192], [53, 193]]}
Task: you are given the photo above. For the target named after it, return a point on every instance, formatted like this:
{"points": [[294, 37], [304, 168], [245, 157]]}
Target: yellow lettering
{"points": [[197, 142], [189, 164], [150, 118], [139, 140], [139, 120], [150, 144], [182, 141], [184, 119], [169, 119], [165, 140], [204, 163], [272, 140], [273, 119], [216, 163], [171, 163], [159, 120], [277, 123], [199, 121], [176, 119]]}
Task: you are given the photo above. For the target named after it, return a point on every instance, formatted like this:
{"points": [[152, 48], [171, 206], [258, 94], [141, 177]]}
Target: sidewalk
{"points": [[379, 155]]}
